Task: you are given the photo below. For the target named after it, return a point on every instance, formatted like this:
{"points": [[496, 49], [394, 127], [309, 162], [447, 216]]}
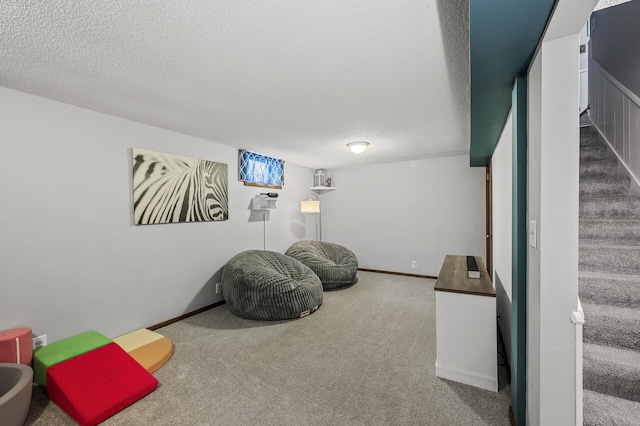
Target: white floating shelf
{"points": [[323, 188]]}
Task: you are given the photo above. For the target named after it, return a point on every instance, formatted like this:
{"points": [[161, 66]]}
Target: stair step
{"points": [[604, 186], [594, 152], [594, 169], [607, 410], [610, 207], [589, 141], [589, 137], [611, 289], [612, 326], [623, 231], [612, 371], [618, 259]]}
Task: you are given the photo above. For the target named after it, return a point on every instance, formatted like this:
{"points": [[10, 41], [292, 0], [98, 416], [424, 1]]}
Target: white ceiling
{"points": [[287, 78]]}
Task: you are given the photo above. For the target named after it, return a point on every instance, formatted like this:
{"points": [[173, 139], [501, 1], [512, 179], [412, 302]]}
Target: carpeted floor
{"points": [[366, 357], [609, 287]]}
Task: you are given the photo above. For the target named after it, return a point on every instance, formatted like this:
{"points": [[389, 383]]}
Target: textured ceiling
{"points": [[287, 78], [603, 4]]}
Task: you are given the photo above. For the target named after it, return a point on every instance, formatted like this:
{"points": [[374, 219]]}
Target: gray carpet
{"points": [[366, 357], [609, 287]]}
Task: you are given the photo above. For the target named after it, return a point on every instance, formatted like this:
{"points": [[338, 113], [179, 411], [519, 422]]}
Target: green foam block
{"points": [[63, 350]]}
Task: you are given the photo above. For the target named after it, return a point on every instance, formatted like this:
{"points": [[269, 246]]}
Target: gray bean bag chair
{"points": [[265, 285], [335, 265]]}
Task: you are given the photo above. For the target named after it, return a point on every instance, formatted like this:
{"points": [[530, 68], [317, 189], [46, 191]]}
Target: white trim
{"points": [[634, 178], [467, 377], [577, 317]]}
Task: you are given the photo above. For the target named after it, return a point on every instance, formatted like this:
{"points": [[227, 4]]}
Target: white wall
{"points": [[614, 32], [391, 214], [502, 172], [501, 164], [533, 255], [553, 202], [71, 259], [584, 68]]}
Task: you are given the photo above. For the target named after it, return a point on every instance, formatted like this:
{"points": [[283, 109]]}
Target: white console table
{"points": [[466, 331]]}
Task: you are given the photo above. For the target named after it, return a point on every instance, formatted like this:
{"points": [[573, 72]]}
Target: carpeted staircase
{"points": [[609, 287]]}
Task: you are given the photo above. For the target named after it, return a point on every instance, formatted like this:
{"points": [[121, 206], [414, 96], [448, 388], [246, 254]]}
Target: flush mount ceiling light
{"points": [[358, 147]]}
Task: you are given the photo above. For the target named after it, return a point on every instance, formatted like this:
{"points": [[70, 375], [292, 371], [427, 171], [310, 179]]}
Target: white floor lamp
{"points": [[312, 206]]}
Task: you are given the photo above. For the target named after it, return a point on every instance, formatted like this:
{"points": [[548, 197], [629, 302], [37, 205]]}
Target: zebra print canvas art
{"points": [[170, 188]]}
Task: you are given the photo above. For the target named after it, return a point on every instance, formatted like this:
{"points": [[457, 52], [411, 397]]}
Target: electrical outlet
{"points": [[414, 264], [39, 341], [218, 288]]}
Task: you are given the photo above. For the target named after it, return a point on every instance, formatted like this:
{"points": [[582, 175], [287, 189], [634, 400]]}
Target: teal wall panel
{"points": [[503, 37]]}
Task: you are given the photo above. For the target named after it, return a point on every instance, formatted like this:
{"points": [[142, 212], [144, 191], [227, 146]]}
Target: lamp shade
{"points": [[310, 206]]}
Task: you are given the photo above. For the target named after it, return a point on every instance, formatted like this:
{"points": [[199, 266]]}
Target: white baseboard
{"points": [[467, 377]]}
